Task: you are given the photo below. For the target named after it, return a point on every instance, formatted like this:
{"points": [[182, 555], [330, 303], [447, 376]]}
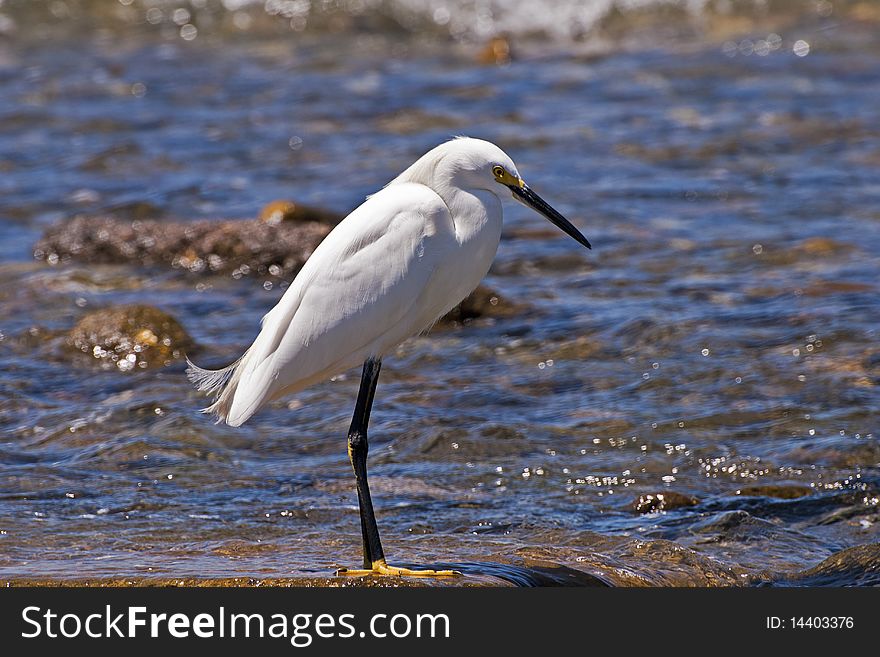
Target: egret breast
{"points": [[477, 220]]}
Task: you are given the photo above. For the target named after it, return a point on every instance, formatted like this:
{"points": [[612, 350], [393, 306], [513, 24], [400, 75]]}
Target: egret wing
{"points": [[352, 299]]}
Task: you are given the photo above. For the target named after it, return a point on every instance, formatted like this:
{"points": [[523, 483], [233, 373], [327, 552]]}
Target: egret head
{"points": [[466, 163], [507, 175]]}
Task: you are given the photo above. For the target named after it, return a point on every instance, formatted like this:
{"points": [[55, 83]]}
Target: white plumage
{"points": [[388, 271]]}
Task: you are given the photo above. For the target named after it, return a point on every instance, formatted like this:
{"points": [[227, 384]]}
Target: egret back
{"points": [[360, 294]]}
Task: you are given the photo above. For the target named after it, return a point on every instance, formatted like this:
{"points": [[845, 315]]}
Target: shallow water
{"points": [[719, 342]]}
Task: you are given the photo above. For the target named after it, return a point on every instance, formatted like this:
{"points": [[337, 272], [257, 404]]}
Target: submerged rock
{"points": [[782, 492], [807, 251], [482, 302], [640, 562], [496, 51], [855, 566], [130, 337], [284, 210], [215, 247]]}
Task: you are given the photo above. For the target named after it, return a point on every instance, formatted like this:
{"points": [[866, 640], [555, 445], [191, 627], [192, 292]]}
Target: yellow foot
{"points": [[382, 568]]}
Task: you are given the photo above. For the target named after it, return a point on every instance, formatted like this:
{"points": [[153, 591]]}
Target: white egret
{"points": [[395, 265]]}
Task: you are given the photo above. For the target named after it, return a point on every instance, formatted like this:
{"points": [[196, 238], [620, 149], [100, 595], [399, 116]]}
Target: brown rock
{"points": [[130, 337], [482, 302], [826, 288], [277, 211], [855, 566], [203, 247], [496, 51], [780, 492], [868, 12], [823, 247]]}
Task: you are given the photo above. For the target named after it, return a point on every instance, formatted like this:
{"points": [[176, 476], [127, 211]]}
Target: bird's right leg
{"points": [[358, 446]]}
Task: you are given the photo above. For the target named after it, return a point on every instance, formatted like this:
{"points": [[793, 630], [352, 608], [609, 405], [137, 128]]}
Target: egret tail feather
{"points": [[219, 383]]}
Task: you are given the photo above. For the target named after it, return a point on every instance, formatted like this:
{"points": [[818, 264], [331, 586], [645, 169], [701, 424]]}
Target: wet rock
{"points": [[806, 252], [822, 247], [868, 12], [654, 563], [849, 368], [814, 509], [751, 542], [729, 524], [580, 348], [482, 302], [855, 566], [865, 453], [279, 211], [497, 51], [665, 501], [782, 492], [34, 337], [216, 247], [863, 514], [531, 572], [130, 337]]}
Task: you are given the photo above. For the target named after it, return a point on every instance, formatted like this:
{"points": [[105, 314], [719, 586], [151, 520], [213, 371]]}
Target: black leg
{"points": [[358, 447], [374, 557]]}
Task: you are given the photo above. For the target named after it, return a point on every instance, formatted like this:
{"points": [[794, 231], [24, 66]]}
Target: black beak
{"points": [[526, 196]]}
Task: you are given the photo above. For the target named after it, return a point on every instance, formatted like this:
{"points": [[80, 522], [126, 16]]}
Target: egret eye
{"points": [[498, 171]]}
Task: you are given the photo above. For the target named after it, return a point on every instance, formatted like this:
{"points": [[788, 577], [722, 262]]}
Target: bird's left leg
{"points": [[358, 446]]}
